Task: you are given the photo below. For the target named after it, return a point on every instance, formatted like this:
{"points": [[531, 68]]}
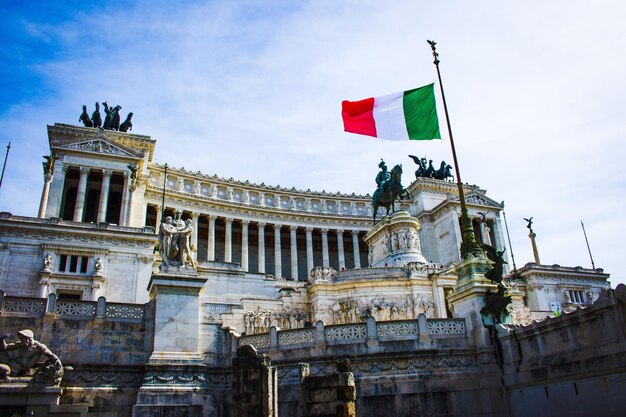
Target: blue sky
{"points": [[252, 90]]}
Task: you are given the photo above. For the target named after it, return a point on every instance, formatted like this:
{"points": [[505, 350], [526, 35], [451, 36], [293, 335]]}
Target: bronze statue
{"points": [[496, 303], [115, 117], [389, 188], [21, 357], [96, 119], [530, 224], [84, 117], [496, 273], [127, 125], [444, 172], [107, 118]]}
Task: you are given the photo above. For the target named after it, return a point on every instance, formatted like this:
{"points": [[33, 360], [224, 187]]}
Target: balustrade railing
{"points": [[71, 309], [421, 329]]}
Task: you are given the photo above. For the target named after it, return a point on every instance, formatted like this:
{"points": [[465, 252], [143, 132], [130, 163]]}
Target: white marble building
{"points": [[271, 255]]}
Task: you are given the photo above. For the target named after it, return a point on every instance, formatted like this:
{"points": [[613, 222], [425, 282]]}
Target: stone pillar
{"points": [[55, 196], [244, 244], [124, 210], [255, 384], [228, 240], [80, 195], [43, 204], [355, 249], [194, 232], [129, 211], [294, 252], [277, 256], [340, 255], [325, 257], [309, 250], [261, 227], [104, 195], [210, 253]]}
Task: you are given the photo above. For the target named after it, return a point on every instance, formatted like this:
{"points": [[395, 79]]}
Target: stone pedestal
{"points": [[468, 297], [176, 295], [394, 241]]}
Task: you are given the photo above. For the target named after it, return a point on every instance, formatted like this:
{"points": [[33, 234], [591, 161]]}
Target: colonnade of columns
{"points": [[59, 193], [278, 243]]}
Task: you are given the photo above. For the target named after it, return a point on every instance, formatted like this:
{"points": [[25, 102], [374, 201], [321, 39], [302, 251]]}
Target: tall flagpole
{"points": [[588, 248], [5, 163], [163, 198], [469, 247]]}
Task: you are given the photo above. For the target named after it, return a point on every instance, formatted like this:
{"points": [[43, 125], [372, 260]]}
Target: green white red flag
{"points": [[409, 115]]}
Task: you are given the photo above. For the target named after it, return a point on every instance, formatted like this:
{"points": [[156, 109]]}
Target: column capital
{"points": [[293, 228], [84, 170], [309, 229], [229, 220], [107, 172], [355, 232], [261, 225], [194, 214], [277, 226], [325, 230], [245, 222], [211, 217], [339, 231], [65, 168]]}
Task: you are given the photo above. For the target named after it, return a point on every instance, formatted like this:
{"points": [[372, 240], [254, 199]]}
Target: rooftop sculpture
{"points": [[111, 120], [423, 171]]}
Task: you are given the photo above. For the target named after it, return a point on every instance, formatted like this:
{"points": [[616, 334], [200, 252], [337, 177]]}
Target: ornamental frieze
{"points": [[40, 234]]}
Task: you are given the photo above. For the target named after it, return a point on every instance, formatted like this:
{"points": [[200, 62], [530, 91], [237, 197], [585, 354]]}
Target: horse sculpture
{"points": [[391, 190], [127, 124], [444, 172], [84, 117], [107, 118], [115, 117], [96, 119]]}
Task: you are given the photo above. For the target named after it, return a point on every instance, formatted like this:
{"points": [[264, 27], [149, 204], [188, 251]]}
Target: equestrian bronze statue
{"points": [[389, 188]]}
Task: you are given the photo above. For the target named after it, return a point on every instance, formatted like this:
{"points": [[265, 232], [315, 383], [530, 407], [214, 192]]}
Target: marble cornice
{"points": [[247, 185]]}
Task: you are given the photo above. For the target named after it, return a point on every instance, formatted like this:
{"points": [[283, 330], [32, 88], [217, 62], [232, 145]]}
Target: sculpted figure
{"points": [[98, 267], [383, 176], [127, 125], [184, 236], [530, 224], [47, 262], [402, 240], [96, 119], [115, 117], [84, 117], [21, 357], [394, 242], [165, 239], [107, 118]]}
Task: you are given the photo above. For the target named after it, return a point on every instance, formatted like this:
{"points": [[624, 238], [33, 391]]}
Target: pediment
{"points": [[481, 200], [100, 145]]}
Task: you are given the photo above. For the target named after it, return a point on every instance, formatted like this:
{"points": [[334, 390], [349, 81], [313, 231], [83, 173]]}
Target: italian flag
{"points": [[410, 115]]}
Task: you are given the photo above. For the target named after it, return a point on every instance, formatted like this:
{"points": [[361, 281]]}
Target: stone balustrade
{"points": [[71, 309], [320, 336]]}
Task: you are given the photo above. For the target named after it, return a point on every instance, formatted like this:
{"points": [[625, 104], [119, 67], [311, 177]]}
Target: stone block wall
{"points": [[254, 384], [571, 365], [331, 395]]}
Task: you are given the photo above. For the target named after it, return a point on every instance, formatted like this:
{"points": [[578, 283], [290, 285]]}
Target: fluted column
{"points": [[210, 252], [80, 195], [294, 252], [261, 226], [325, 258], [278, 266], [43, 204], [340, 254], [309, 249], [244, 244], [104, 195], [355, 249], [228, 240]]}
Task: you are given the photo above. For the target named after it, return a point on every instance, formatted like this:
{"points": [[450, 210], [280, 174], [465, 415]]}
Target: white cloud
{"points": [[253, 91]]}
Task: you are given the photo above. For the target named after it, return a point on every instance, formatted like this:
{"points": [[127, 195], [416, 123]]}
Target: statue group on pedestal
{"points": [[389, 188], [174, 242], [111, 120], [429, 171], [21, 358]]}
